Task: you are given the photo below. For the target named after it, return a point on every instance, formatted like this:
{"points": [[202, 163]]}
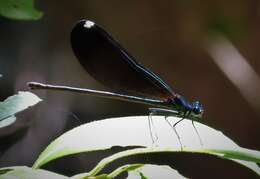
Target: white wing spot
{"points": [[89, 24]]}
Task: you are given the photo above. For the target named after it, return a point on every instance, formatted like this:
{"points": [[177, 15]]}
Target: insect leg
{"points": [[154, 136], [184, 116], [175, 131], [201, 143], [167, 113]]}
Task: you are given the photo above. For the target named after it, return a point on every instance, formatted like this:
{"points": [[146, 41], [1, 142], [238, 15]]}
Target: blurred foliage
{"points": [[15, 104], [19, 10], [227, 26], [28, 173]]}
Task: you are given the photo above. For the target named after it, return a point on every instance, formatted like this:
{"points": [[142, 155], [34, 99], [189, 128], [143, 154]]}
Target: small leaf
{"points": [[28, 173], [125, 168], [85, 176], [5, 170], [142, 175], [154, 172], [19, 9], [114, 174], [7, 121], [15, 104]]}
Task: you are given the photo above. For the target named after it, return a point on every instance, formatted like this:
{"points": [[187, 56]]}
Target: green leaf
{"points": [[7, 121], [15, 104], [142, 175], [134, 131], [146, 171], [85, 176], [154, 172], [28, 173], [145, 151], [5, 170], [125, 168], [241, 154], [19, 10]]}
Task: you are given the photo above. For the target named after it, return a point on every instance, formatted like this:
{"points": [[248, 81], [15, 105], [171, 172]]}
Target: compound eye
{"points": [[197, 108]]}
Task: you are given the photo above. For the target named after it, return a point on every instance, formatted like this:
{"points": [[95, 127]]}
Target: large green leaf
{"points": [[134, 131], [29, 173], [19, 9], [15, 104]]}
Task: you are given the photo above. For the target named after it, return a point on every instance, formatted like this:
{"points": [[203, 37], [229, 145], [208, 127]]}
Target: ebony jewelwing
{"points": [[110, 64]]}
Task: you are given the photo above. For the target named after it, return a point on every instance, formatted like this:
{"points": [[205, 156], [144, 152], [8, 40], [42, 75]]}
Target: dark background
{"points": [[172, 38]]}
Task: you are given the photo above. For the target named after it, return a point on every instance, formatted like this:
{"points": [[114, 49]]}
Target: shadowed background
{"points": [[205, 51]]}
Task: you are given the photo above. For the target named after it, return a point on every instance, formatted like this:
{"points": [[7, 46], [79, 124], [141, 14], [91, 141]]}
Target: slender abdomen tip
{"points": [[34, 85]]}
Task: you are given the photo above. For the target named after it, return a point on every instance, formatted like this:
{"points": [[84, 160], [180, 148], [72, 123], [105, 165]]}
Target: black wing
{"points": [[110, 64]]}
